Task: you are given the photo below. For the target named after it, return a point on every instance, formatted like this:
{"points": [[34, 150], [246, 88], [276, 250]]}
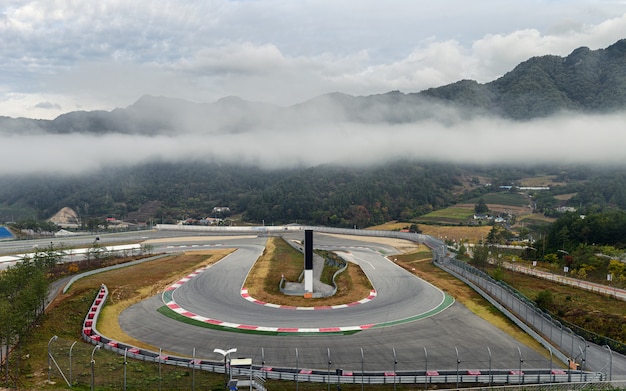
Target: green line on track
{"points": [[447, 302], [167, 296], [165, 310]]}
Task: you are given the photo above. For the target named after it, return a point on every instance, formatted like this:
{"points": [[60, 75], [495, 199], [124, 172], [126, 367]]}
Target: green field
{"points": [[458, 215], [450, 215], [503, 198]]}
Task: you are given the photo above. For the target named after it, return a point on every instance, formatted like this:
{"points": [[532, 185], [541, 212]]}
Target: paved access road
{"points": [[432, 341]]}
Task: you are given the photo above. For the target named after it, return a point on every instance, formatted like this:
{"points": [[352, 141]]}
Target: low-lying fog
{"points": [[566, 138]]}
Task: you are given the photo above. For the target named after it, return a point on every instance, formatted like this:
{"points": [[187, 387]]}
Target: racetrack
{"points": [[216, 293], [399, 296]]}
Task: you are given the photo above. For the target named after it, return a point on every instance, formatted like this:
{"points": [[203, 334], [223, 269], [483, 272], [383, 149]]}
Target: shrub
{"points": [[544, 299]]}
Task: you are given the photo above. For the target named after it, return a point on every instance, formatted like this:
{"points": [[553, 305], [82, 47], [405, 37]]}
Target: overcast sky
{"points": [[58, 56], [64, 55]]}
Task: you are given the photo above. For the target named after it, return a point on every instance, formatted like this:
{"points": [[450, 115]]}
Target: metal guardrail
{"points": [[562, 341], [90, 334]]}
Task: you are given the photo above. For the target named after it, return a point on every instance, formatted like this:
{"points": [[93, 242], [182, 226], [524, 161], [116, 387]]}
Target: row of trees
{"points": [[572, 229], [37, 226], [23, 293], [592, 247]]}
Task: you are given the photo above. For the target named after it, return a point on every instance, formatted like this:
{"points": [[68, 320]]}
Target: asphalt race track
{"points": [[418, 342]]}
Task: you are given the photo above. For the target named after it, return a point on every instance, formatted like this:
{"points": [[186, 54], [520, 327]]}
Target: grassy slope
{"points": [[281, 259], [602, 314], [64, 319], [130, 285]]}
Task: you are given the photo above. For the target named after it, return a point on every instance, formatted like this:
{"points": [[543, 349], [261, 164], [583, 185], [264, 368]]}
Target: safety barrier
{"points": [[91, 335], [512, 376]]}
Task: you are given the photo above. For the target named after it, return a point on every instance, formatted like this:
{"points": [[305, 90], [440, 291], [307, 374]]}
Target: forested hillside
{"points": [[585, 81], [185, 190], [332, 195], [339, 196], [394, 186]]}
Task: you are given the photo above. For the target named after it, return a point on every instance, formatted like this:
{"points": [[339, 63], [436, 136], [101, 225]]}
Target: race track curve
{"points": [[433, 340]]}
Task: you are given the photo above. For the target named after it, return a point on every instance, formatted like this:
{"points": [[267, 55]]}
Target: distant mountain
{"points": [[158, 189], [592, 81], [586, 80]]}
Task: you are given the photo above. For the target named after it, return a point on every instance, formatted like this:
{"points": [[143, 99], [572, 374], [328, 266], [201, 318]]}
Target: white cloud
{"points": [[48, 106], [106, 54], [236, 59], [496, 54]]}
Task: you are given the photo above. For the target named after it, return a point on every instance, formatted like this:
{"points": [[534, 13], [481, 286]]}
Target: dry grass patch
{"points": [[390, 226], [565, 197], [128, 286], [462, 233], [279, 258], [255, 282], [536, 217], [457, 232], [545, 180]]}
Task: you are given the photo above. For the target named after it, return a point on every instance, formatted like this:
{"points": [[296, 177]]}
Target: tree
{"points": [[47, 258], [494, 235], [415, 228], [481, 253], [498, 273], [147, 248], [96, 251], [462, 253], [616, 268], [23, 290], [523, 233], [544, 300], [551, 258], [481, 207]]}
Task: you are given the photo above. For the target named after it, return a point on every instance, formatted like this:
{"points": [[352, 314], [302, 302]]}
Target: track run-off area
{"points": [[408, 323]]}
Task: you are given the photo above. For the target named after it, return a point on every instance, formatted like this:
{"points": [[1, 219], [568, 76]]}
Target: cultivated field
{"points": [[470, 234]]}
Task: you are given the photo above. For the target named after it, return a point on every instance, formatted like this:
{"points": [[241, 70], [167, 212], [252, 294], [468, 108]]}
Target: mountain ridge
{"points": [[588, 81]]}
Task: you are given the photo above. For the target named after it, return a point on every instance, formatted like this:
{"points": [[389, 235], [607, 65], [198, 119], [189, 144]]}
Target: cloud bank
{"points": [[570, 138], [61, 56]]}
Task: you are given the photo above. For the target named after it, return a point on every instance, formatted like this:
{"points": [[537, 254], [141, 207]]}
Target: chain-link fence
{"points": [[566, 345], [83, 363]]}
